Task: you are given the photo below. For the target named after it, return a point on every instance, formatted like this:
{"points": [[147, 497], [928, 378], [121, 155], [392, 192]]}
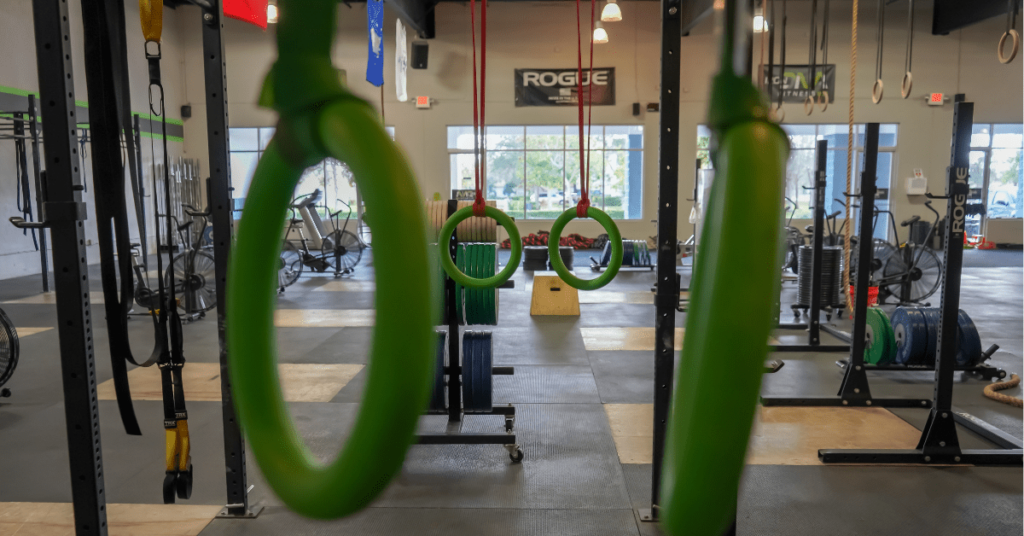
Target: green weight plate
{"points": [[877, 334], [473, 294], [890, 341], [489, 262]]}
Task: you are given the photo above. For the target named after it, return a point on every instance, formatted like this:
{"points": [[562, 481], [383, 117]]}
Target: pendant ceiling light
{"points": [[271, 14], [611, 12], [600, 36]]}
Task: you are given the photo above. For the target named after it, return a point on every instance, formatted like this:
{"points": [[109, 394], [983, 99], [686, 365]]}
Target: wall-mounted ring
{"points": [[823, 100], [809, 104]]}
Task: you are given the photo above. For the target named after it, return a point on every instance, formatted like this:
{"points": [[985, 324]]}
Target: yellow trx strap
{"points": [[151, 13]]}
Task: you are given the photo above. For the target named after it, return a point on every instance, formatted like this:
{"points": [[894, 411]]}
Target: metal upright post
{"points": [[139, 191], [63, 211], [33, 126], [667, 298], [820, 181], [454, 343], [220, 206]]}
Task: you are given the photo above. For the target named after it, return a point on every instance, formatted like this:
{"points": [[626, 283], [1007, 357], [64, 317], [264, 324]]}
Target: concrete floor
{"points": [[571, 481]]}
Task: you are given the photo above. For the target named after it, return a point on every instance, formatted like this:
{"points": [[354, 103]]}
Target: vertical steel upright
{"points": [[820, 182], [33, 126], [667, 298], [220, 207], [63, 212]]}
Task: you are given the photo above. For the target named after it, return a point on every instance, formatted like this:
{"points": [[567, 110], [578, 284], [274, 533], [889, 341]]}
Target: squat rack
{"points": [[63, 212]]}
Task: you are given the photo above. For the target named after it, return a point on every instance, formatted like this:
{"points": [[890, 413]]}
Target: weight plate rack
{"points": [[470, 377]]}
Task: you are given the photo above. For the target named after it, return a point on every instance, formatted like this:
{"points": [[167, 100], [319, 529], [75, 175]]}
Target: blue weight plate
{"points": [[969, 349], [627, 253], [911, 335], [468, 367], [437, 398], [485, 379]]}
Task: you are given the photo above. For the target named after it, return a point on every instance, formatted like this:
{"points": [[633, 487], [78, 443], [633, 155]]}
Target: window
{"points": [[533, 172], [801, 164], [996, 175], [332, 177]]}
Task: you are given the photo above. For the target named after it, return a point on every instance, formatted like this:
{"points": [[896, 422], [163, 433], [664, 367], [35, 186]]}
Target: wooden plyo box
{"points": [[553, 297]]}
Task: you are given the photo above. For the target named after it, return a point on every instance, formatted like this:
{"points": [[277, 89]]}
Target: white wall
{"points": [[542, 34], [18, 70]]}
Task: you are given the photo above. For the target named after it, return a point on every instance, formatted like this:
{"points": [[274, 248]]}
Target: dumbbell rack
{"points": [[453, 434]]}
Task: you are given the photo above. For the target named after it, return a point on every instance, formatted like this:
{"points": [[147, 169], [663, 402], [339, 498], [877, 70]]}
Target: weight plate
{"points": [[476, 372], [490, 260], [910, 331], [890, 341], [969, 349], [437, 397], [471, 299], [460, 298], [468, 366], [931, 316], [874, 346], [627, 253]]}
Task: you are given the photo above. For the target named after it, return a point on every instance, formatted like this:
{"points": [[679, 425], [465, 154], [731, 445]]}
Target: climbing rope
{"points": [[583, 208], [848, 228], [990, 391], [479, 207]]}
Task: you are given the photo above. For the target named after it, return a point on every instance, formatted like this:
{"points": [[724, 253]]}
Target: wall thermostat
{"points": [[918, 184]]}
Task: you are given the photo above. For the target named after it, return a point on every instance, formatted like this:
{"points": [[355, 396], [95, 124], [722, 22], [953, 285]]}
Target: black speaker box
{"points": [[419, 55]]}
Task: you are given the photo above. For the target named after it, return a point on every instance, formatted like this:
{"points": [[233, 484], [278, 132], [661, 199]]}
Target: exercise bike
{"points": [[337, 251], [794, 239], [914, 272], [192, 272]]}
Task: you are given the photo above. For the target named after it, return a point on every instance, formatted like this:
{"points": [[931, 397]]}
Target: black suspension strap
{"points": [[779, 113], [770, 13], [109, 95], [823, 95], [879, 88], [24, 192], [812, 58]]}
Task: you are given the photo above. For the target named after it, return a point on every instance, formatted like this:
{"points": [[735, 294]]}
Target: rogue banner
{"points": [[796, 84], [557, 87]]}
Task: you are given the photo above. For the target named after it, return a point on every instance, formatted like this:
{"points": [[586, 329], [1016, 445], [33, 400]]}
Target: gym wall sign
{"points": [[558, 87], [795, 86]]}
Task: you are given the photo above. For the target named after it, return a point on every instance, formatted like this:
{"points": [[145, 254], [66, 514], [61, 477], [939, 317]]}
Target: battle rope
{"points": [[750, 155], [479, 207], [583, 208], [879, 88], [169, 351], [319, 118], [1011, 32], [908, 78], [848, 229], [1014, 381]]}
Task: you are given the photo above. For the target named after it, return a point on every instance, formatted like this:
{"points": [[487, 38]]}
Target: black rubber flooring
{"points": [[571, 481]]}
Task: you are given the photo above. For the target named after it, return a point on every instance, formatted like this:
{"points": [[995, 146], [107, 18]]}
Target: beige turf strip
{"points": [[300, 382], [782, 435], [323, 318], [629, 339], [57, 519], [347, 286], [25, 332], [50, 298]]}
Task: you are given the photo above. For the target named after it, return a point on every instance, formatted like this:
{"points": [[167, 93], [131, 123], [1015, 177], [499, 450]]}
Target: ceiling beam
{"points": [[417, 14], [951, 15]]}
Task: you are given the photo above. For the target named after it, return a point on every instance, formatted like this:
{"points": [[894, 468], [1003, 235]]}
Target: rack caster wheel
{"points": [[169, 487], [517, 456], [1002, 375], [5, 393]]}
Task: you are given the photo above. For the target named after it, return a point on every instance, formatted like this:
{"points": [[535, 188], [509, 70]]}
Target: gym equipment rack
{"points": [[20, 136], [939, 443], [453, 434], [813, 325], [855, 389], [64, 213]]}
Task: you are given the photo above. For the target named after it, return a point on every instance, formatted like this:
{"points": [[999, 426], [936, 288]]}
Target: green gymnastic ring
{"points": [[489, 282], [614, 238], [399, 372]]}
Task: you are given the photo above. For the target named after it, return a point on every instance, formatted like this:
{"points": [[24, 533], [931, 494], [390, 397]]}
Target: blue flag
{"points": [[375, 56]]}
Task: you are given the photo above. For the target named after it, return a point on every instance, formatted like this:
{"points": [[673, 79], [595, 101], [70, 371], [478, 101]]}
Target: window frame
{"points": [[565, 150]]}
